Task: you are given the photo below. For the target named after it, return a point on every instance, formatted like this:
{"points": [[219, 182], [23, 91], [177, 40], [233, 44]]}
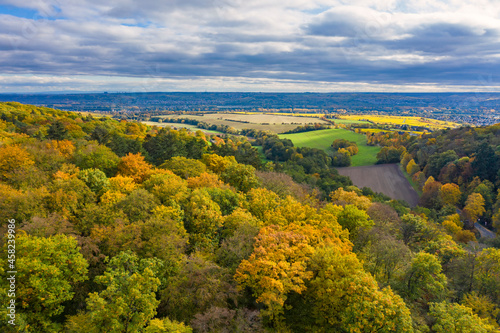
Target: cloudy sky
{"points": [[249, 45]]}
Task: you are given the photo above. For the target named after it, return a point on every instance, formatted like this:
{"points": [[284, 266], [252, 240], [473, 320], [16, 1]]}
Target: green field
{"points": [[323, 139]]}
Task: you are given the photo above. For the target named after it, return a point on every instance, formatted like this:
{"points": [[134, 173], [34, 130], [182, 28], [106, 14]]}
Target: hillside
{"points": [[123, 227]]}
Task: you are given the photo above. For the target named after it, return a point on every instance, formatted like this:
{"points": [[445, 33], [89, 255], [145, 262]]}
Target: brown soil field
{"points": [[384, 178], [274, 123]]}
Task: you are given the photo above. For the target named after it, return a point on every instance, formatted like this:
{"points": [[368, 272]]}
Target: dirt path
{"points": [[485, 233], [385, 178]]}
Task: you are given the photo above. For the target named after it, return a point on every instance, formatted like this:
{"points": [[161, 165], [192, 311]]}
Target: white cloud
{"points": [[298, 43]]}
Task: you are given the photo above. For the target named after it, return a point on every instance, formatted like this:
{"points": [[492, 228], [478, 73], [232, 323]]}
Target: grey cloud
{"points": [[225, 46], [449, 38]]}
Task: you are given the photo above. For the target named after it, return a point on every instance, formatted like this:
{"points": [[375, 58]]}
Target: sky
{"points": [[249, 45]]}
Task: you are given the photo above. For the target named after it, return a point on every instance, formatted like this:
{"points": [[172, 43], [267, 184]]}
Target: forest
{"points": [[124, 227]]}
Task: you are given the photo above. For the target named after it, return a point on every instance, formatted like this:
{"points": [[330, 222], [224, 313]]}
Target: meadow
{"points": [[323, 139]]}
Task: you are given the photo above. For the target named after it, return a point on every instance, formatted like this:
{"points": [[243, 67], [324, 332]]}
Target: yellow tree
{"points": [[279, 262], [122, 184], [450, 194], [474, 207], [428, 182], [345, 298], [13, 158], [204, 180], [341, 197], [216, 163], [64, 147], [412, 167], [483, 307]]}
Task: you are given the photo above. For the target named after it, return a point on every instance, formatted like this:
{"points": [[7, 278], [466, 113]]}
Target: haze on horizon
{"points": [[237, 45]]}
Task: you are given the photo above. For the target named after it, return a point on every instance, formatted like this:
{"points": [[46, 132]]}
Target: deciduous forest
{"points": [[124, 227]]}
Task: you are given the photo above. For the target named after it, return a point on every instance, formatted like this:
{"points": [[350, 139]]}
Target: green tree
{"points": [[57, 131], [241, 176], [424, 278], [97, 157], [485, 163], [456, 318], [128, 301], [203, 220], [138, 205], [184, 167], [95, 179], [47, 271], [353, 219], [167, 326]]}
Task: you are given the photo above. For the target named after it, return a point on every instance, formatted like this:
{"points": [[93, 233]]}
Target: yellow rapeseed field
{"points": [[401, 120]]}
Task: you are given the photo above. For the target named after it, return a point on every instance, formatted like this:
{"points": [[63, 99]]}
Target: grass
{"points": [[263, 158], [323, 139], [410, 180]]}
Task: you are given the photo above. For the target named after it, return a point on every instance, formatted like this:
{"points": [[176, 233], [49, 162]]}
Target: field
{"points": [[270, 122], [384, 178], [192, 128], [400, 120], [349, 121], [323, 139]]}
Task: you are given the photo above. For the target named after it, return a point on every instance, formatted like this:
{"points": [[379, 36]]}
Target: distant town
{"points": [[477, 109]]}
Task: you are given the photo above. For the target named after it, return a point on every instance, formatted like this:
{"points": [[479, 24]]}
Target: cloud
{"points": [[235, 43]]}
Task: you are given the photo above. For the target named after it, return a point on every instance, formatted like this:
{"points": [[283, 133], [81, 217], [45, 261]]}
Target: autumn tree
{"points": [[482, 306], [199, 285], [216, 163], [342, 197], [167, 326], [65, 147], [412, 167], [204, 180], [279, 264], [474, 208], [487, 274], [277, 267], [12, 158], [122, 184], [134, 165], [450, 194], [344, 298], [167, 187]]}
